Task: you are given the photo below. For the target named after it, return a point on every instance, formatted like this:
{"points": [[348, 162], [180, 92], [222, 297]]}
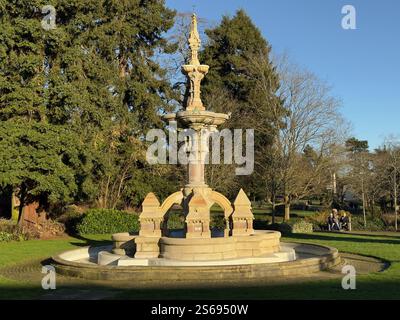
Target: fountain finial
{"points": [[194, 71], [194, 41]]}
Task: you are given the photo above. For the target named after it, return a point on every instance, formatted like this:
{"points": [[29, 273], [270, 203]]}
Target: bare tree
{"points": [[392, 146], [312, 120], [374, 176]]}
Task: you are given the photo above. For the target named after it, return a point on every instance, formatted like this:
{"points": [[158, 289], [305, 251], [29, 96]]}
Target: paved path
{"points": [[81, 289]]}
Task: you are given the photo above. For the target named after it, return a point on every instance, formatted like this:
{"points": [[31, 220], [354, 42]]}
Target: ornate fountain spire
{"points": [[194, 71], [194, 41]]}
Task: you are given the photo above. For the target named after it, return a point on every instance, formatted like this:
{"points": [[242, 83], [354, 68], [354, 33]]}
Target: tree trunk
{"points": [[364, 214], [287, 208], [363, 202], [273, 209], [371, 205], [21, 203], [395, 200], [14, 205]]}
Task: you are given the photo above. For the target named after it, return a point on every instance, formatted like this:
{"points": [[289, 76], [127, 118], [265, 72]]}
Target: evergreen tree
{"points": [[107, 83], [238, 57], [75, 101], [38, 160], [231, 48]]}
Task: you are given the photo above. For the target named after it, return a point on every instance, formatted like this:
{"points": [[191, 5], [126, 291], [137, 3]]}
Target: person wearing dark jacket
{"points": [[333, 221], [344, 222]]}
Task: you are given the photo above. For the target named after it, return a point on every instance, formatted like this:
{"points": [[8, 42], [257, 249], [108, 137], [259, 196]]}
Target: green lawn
{"points": [[384, 284], [17, 253], [24, 251]]}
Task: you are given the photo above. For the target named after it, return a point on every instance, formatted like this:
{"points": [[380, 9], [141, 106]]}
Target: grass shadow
{"points": [[87, 241]]}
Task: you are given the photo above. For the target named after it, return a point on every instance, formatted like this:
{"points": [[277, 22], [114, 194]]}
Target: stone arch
{"points": [[226, 205], [175, 198], [223, 202]]}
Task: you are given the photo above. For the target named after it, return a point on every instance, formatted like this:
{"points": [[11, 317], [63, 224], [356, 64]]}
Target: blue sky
{"points": [[362, 65]]}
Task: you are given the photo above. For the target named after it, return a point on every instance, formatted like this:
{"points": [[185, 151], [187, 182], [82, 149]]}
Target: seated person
{"points": [[336, 225], [331, 221], [344, 222]]}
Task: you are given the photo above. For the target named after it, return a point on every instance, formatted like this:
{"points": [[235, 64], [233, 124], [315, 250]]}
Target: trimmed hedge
{"points": [[298, 226], [283, 228], [103, 221]]}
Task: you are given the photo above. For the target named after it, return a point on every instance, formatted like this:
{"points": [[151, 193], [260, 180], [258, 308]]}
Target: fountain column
{"points": [[196, 160]]}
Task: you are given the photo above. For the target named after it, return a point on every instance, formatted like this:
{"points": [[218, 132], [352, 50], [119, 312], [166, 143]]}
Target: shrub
{"points": [[389, 220], [9, 230], [319, 221], [176, 220], [46, 228], [283, 228], [5, 236], [103, 221], [292, 226], [71, 219], [260, 224], [217, 221], [8, 226], [373, 223], [302, 227]]}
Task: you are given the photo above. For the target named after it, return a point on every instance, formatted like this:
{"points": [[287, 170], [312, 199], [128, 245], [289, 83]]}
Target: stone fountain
{"points": [[197, 198], [240, 252]]}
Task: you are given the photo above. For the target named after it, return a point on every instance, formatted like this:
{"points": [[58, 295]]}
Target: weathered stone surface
{"points": [[151, 217], [198, 218], [147, 247], [242, 216], [258, 244]]}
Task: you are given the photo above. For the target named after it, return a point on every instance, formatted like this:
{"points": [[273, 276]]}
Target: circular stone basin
{"points": [[84, 263], [189, 117], [260, 244]]}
